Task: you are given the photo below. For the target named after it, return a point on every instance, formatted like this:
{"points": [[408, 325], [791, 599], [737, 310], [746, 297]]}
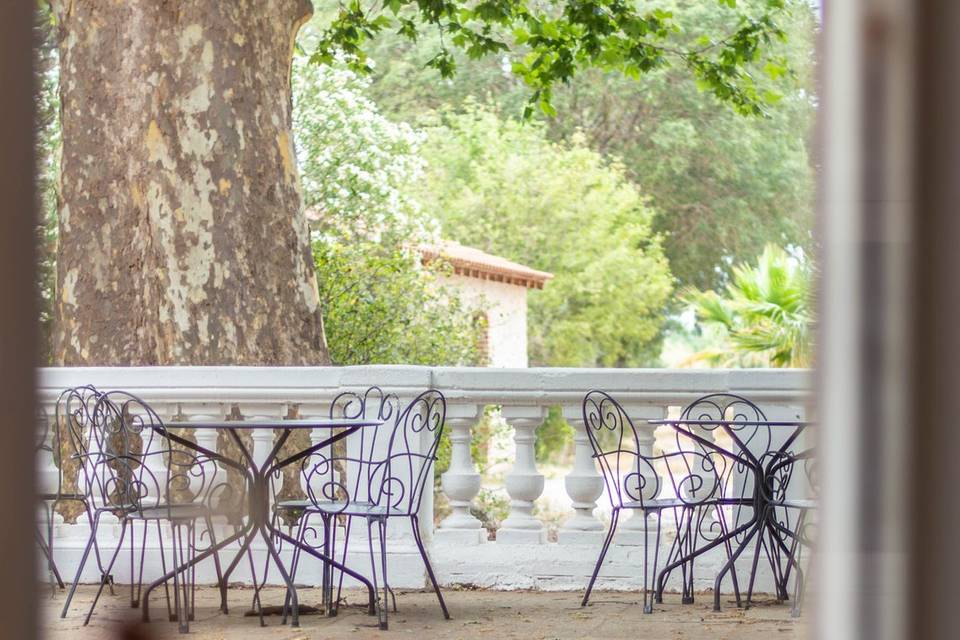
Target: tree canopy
{"points": [[503, 187], [553, 42], [721, 185]]}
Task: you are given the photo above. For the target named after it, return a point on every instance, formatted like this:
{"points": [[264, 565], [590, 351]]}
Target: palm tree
{"points": [[765, 313]]}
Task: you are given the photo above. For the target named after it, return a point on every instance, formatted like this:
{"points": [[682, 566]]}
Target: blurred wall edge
{"points": [[18, 594], [889, 342], [935, 603]]}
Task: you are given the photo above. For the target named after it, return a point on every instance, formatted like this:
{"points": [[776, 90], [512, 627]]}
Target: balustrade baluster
{"points": [[524, 483], [461, 482], [584, 485], [314, 411], [206, 438], [48, 475], [262, 438]]}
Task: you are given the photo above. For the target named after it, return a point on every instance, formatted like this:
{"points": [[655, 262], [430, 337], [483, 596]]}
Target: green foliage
{"points": [[722, 185], [765, 313], [554, 439], [491, 507], [47, 136], [501, 186], [550, 43], [380, 304]]}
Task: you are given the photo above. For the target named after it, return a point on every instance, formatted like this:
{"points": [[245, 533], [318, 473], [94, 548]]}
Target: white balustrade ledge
{"points": [[520, 557]]}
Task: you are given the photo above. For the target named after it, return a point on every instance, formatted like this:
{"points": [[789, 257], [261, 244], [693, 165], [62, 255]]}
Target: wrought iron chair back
{"points": [[74, 414], [793, 474], [399, 480], [337, 477], [636, 480], [130, 465], [753, 437], [755, 440]]}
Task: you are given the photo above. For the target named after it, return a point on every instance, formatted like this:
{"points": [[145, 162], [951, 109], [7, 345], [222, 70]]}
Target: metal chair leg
{"points": [[614, 517], [83, 561], [415, 521], [346, 544], [383, 562], [753, 570], [163, 568], [192, 528], [55, 578], [799, 582], [136, 585], [123, 531], [208, 521], [295, 563], [176, 561], [329, 607], [381, 605], [327, 573], [133, 566], [648, 576], [730, 566]]}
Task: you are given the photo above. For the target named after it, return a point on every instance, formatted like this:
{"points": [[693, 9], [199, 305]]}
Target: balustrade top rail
{"points": [[475, 385]]}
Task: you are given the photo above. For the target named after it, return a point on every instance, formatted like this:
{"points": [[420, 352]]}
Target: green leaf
{"points": [[772, 97]]}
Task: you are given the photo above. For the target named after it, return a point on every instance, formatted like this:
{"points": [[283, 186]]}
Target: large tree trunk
{"points": [[182, 239]]}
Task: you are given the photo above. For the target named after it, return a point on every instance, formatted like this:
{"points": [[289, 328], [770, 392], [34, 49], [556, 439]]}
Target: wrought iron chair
{"points": [[129, 468], [376, 483], [73, 414], [332, 480], [736, 501], [734, 485], [634, 481], [793, 512]]}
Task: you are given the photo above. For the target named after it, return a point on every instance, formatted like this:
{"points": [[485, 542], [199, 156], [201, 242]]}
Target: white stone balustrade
{"points": [[521, 555], [584, 485], [206, 438], [524, 483], [461, 482]]}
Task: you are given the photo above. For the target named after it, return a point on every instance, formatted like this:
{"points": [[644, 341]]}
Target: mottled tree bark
{"points": [[182, 239]]}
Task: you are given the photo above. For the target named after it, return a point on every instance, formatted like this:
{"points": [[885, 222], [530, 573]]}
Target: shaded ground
{"points": [[476, 614]]}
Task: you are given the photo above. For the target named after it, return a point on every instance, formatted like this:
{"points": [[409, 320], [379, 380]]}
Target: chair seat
{"points": [[187, 511], [661, 503], [46, 497], [335, 507], [800, 503]]}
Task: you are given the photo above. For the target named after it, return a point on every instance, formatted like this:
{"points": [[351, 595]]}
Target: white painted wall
{"points": [[506, 307]]}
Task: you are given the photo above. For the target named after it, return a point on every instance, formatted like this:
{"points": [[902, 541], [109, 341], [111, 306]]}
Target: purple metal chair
{"points": [[376, 484], [332, 480], [635, 481], [52, 496], [734, 490], [73, 414], [129, 468]]}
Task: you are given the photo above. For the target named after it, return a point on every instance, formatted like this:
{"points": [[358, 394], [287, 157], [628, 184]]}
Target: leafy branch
{"points": [[551, 43]]}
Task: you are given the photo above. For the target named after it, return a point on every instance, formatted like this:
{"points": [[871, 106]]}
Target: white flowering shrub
{"points": [[358, 171], [357, 166]]}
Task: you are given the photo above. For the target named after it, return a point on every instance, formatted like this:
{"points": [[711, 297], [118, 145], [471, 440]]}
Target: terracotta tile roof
{"points": [[475, 263]]}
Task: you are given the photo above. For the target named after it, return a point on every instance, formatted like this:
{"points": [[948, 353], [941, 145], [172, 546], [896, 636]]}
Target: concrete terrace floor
{"points": [[485, 614]]}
